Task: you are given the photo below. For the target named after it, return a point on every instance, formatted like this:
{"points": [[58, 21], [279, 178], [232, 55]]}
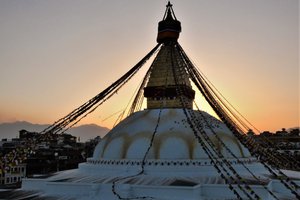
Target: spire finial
{"points": [[169, 28]]}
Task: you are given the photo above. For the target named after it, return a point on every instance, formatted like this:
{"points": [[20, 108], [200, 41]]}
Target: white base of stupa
{"points": [[162, 182]]}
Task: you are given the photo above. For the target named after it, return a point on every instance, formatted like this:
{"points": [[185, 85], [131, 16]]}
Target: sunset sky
{"points": [[56, 55]]}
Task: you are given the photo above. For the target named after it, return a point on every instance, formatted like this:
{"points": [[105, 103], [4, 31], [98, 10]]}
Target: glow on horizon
{"points": [[56, 55]]}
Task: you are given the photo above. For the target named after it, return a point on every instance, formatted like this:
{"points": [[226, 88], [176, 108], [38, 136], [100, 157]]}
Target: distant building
{"points": [[283, 132], [12, 176], [40, 154]]}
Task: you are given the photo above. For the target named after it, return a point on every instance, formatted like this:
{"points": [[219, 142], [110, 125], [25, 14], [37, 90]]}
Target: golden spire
{"points": [[162, 91]]}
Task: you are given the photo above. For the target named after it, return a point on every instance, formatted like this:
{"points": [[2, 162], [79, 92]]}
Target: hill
{"points": [[85, 132]]}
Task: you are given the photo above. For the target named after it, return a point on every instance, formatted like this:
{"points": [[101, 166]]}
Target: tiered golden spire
{"points": [[162, 90]]}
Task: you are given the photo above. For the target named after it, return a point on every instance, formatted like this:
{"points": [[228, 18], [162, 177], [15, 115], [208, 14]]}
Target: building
{"points": [[12, 169], [33, 155], [12, 176]]}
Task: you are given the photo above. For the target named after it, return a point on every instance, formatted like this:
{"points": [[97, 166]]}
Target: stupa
{"points": [[169, 151]]}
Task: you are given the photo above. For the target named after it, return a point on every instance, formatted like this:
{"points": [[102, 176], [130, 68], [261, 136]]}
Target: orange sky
{"points": [[56, 55]]}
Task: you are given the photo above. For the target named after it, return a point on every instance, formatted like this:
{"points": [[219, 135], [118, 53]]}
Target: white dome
{"points": [[174, 139]]}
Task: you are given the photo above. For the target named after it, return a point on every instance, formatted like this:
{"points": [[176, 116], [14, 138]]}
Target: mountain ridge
{"points": [[86, 132]]}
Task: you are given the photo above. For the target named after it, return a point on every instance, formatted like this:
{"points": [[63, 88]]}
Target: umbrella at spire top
{"points": [[169, 28]]}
